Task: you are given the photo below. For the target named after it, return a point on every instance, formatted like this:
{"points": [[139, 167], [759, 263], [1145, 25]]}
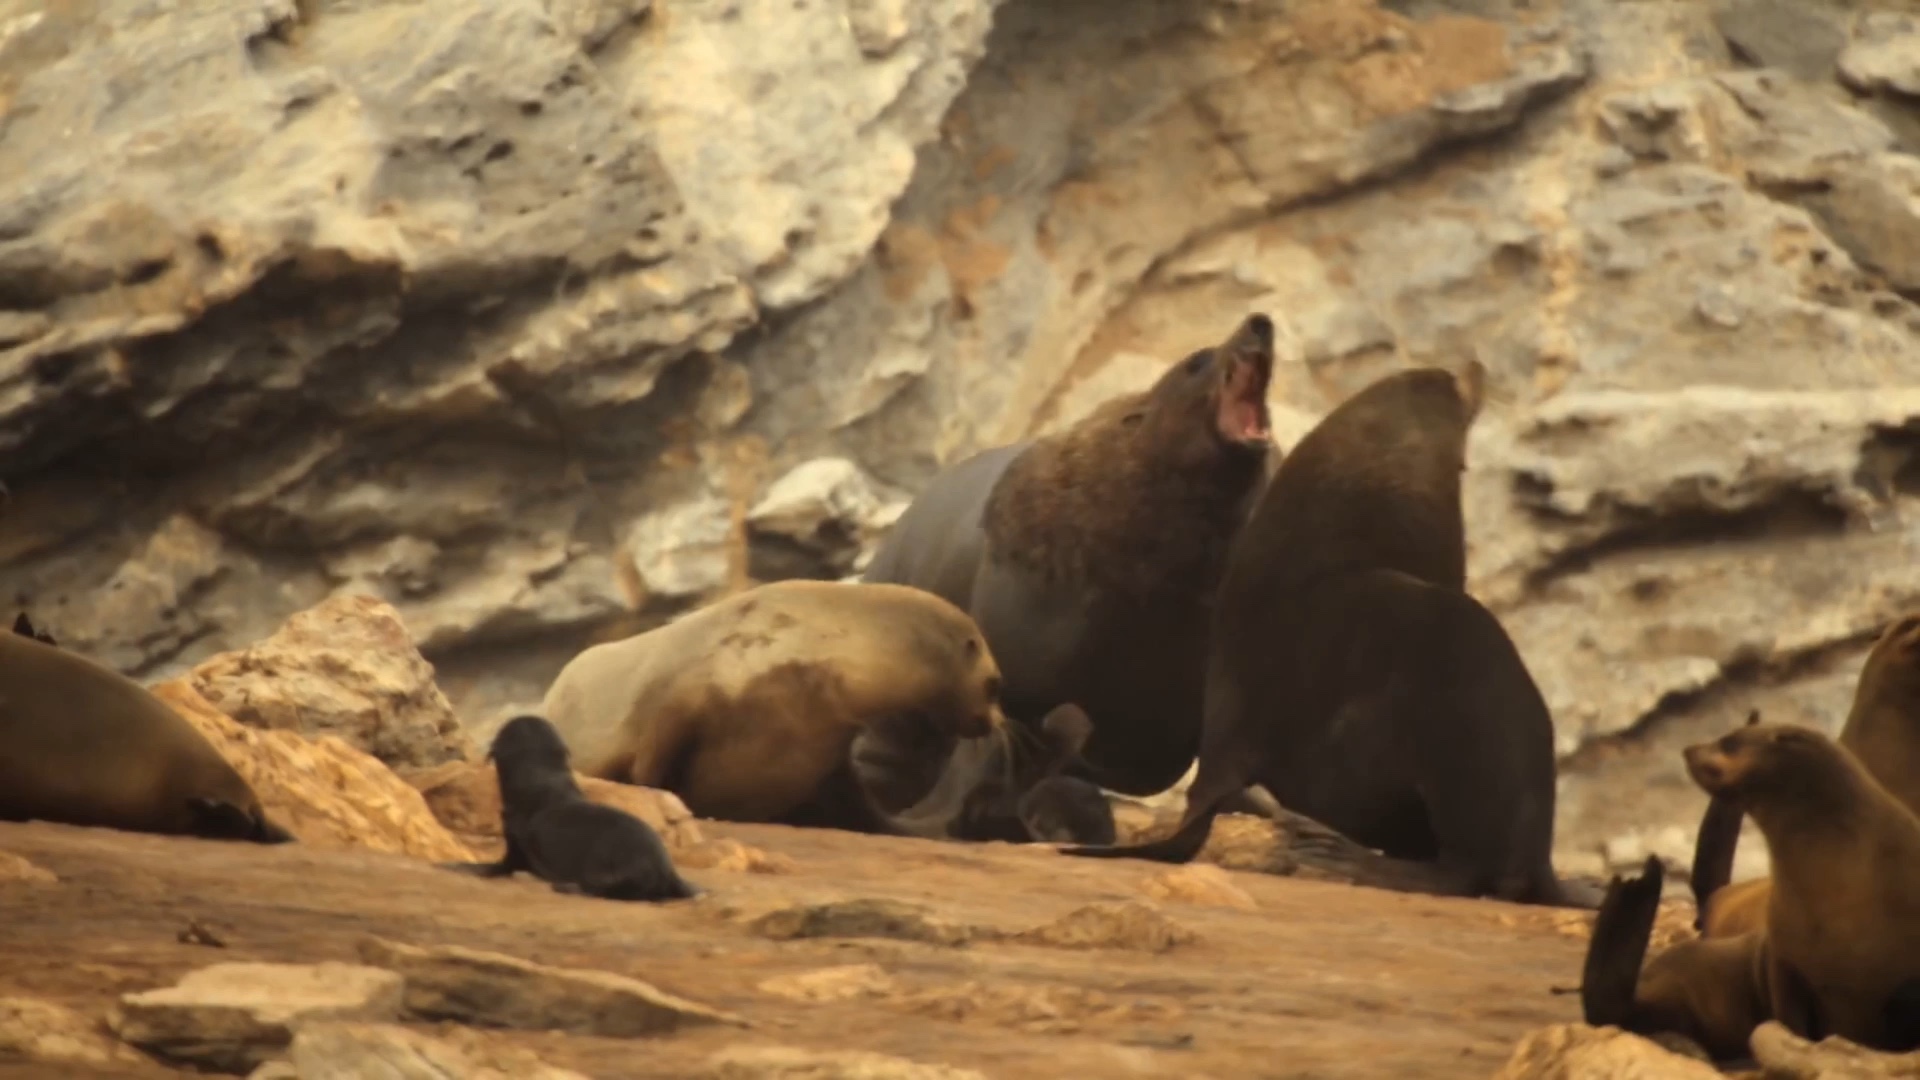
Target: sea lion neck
{"points": [[1099, 504]]}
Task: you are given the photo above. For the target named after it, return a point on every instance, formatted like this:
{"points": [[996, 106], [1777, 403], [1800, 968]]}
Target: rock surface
{"points": [[1331, 980], [477, 987], [336, 1051], [542, 320], [233, 1017], [52, 1034], [1579, 1052], [324, 791], [345, 667]]}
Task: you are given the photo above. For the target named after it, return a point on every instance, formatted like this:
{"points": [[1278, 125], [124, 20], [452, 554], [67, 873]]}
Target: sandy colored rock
{"points": [[345, 667], [1785, 1056], [1197, 884], [233, 1017], [864, 918], [790, 1063], [338, 1051], [1579, 1052], [845, 983], [1129, 925], [15, 870], [474, 986], [732, 856], [47, 1032], [324, 791]]}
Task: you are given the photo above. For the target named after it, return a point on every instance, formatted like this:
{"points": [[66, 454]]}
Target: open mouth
{"points": [[1248, 357]]}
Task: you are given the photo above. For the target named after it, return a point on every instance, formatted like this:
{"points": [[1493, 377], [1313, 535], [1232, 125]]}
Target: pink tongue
{"points": [[1242, 420]]}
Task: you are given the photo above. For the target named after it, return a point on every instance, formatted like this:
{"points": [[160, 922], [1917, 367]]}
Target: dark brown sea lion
{"points": [[1354, 678], [1021, 797], [1090, 557], [85, 745], [556, 834], [747, 708], [1882, 731]]}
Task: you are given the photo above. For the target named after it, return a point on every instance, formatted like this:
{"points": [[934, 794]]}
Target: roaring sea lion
{"points": [[554, 832], [1090, 557], [1843, 912], [747, 708], [1354, 678], [85, 745], [1882, 731]]}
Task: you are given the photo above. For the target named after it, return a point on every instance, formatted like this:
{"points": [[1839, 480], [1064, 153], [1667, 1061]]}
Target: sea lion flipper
{"points": [[1618, 948], [1713, 853], [1903, 1018], [495, 869], [1181, 847]]}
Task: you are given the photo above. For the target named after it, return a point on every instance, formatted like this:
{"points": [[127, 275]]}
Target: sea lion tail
{"points": [[1621, 932], [1181, 847]]}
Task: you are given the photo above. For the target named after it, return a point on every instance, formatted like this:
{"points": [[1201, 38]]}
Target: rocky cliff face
{"points": [[542, 319]]}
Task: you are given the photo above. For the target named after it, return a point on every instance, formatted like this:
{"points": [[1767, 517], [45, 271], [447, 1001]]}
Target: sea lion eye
{"points": [[1132, 418], [1197, 362]]}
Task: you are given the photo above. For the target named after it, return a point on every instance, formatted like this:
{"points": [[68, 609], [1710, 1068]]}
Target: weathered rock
{"points": [[339, 1051], [477, 987], [1884, 53], [345, 668], [1782, 1055], [1788, 34], [1579, 1052], [858, 919], [818, 521], [844, 983], [15, 870], [1198, 884], [1125, 925], [791, 1063], [43, 1031], [233, 1017], [324, 791]]}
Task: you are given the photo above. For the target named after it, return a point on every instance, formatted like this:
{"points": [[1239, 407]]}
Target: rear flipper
{"points": [[1618, 949], [216, 819]]}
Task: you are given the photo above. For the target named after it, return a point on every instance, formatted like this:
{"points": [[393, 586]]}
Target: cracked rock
{"points": [[233, 1017], [338, 1051]]}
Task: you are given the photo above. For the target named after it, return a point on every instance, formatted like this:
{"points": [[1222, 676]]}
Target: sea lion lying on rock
{"points": [[748, 708], [85, 745]]}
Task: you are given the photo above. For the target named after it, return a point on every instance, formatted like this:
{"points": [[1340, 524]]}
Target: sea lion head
{"points": [[1756, 760], [977, 709], [1894, 663], [1214, 402], [528, 742]]}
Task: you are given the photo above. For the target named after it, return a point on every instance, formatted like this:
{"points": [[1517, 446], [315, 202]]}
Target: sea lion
{"points": [[1882, 731], [85, 745], [25, 628], [1712, 991], [1354, 678], [1021, 797], [747, 708], [1090, 557], [1843, 910], [554, 832]]}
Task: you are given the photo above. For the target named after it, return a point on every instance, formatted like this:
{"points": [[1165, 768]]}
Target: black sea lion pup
{"points": [[1090, 557], [554, 832], [83, 744], [1843, 912]]}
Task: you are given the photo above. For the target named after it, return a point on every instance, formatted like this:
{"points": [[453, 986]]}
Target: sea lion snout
{"points": [[1708, 766], [1245, 374]]}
